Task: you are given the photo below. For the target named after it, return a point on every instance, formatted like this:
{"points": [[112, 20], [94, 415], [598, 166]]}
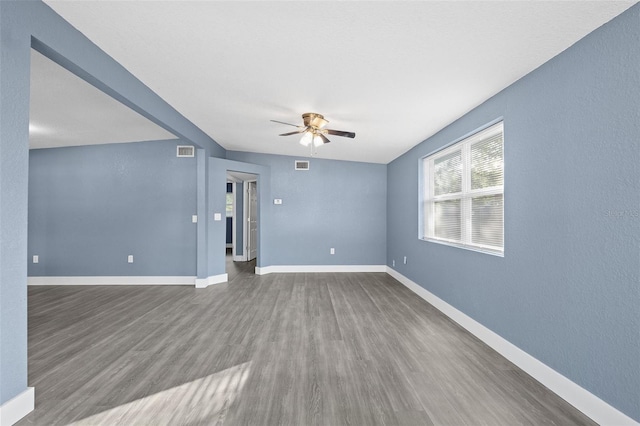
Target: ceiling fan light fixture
{"points": [[317, 140], [307, 138]]}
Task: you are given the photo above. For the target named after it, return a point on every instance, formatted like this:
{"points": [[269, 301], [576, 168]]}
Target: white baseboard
{"points": [[116, 280], [592, 406], [319, 268], [240, 258], [214, 279], [17, 407]]}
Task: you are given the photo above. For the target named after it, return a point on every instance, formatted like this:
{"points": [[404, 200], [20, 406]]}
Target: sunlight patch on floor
{"points": [[204, 400]]}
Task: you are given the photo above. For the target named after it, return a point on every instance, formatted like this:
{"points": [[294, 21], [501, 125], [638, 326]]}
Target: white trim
{"points": [[592, 406], [115, 280], [238, 258], [17, 407], [234, 218], [245, 215], [214, 279], [478, 248], [319, 268]]}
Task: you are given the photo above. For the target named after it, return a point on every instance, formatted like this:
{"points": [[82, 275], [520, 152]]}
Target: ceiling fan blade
{"points": [[293, 133], [339, 133], [324, 138], [282, 122]]}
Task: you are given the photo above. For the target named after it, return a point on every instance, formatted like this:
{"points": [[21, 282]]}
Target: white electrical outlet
{"points": [[405, 260], [332, 250], [217, 216], [194, 218], [36, 258], [130, 258], [277, 201], [393, 263]]}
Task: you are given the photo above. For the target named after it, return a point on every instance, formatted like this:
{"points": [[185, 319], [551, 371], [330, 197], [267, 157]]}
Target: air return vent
{"points": [[302, 165], [186, 151]]}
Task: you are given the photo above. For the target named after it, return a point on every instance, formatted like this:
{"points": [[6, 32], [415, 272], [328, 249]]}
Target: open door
{"points": [[252, 220]]}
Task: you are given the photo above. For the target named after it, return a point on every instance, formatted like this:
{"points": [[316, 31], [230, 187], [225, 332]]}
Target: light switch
{"points": [[194, 218], [36, 259], [217, 216], [277, 201]]}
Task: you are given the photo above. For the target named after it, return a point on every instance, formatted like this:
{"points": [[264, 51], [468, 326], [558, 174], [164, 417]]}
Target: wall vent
{"points": [[186, 151], [302, 165]]}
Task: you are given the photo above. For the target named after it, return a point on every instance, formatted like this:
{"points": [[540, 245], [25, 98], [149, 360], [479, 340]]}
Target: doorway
{"points": [[252, 220], [243, 227]]}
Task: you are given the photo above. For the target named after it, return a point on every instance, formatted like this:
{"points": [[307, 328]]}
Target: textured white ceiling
{"points": [[67, 111], [393, 72]]}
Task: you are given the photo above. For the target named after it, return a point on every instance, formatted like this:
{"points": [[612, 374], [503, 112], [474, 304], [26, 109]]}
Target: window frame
{"points": [[229, 213], [427, 199]]}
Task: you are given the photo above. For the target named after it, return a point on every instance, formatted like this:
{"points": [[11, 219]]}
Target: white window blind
{"points": [[463, 199]]}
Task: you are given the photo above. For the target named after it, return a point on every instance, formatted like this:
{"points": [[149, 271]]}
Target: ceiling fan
{"points": [[313, 130]]}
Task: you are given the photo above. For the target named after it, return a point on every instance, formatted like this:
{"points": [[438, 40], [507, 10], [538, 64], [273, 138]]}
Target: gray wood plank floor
{"points": [[280, 349]]}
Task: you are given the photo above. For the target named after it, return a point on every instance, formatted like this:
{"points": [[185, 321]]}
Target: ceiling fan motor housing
{"points": [[314, 120]]}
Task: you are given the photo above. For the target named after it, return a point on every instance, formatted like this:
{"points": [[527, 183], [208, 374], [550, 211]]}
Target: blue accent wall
{"points": [[339, 204], [91, 206], [568, 288]]}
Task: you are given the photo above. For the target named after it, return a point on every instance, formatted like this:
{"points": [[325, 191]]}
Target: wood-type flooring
{"points": [[280, 349]]}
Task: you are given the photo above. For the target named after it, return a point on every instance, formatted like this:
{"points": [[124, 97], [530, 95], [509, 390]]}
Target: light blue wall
{"points": [[568, 288], [204, 217], [14, 163], [91, 206], [339, 204], [23, 24]]}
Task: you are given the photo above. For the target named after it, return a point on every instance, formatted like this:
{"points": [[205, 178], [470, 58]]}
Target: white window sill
{"points": [[478, 249]]}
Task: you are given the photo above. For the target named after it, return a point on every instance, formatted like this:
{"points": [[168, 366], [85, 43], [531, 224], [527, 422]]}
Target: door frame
{"points": [[244, 178], [234, 224], [245, 218]]}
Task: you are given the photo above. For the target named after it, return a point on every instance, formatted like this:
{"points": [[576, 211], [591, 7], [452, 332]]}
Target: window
{"points": [[463, 198], [229, 204]]}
